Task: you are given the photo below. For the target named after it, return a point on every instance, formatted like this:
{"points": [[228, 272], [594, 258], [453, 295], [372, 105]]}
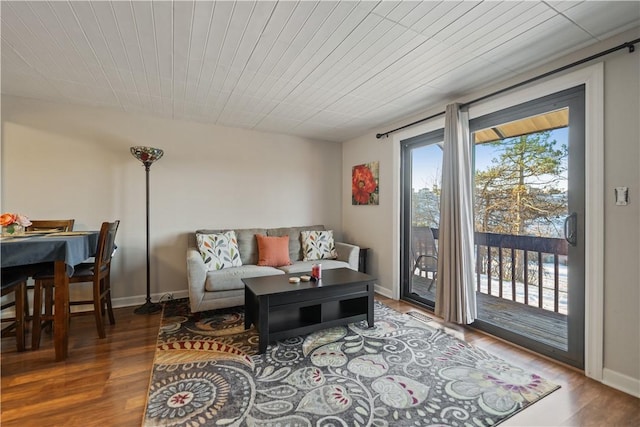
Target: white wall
{"points": [[62, 161], [372, 226], [377, 227], [622, 223]]}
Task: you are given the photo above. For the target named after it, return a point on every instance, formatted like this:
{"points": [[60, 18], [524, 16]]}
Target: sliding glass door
{"points": [[422, 176], [529, 223]]}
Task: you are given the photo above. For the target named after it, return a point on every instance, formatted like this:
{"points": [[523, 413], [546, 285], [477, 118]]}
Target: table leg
{"points": [[61, 315], [370, 310], [248, 308], [263, 323]]}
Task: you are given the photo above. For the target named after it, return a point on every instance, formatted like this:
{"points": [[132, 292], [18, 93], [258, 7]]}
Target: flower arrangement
{"points": [[13, 223]]}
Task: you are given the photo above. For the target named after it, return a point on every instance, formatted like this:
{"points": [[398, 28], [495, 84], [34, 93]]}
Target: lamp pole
{"points": [[147, 156]]}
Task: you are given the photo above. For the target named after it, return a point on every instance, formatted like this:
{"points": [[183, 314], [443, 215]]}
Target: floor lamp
{"points": [[147, 155]]}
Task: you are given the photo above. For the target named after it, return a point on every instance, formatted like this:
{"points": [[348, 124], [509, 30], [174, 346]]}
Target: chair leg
{"points": [[48, 305], [433, 280], [415, 265], [107, 297], [37, 312], [21, 291], [97, 307], [27, 314]]}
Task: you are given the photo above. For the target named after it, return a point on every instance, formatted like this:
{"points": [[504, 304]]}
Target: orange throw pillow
{"points": [[273, 251]]}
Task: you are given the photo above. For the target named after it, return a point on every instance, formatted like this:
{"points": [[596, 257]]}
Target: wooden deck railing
{"points": [[523, 263]]}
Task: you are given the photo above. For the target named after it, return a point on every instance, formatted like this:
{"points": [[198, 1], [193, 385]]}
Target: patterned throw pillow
{"points": [[219, 250], [318, 245]]}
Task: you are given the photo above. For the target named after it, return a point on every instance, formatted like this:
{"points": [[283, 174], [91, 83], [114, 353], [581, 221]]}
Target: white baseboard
{"points": [[137, 300], [383, 291], [621, 382]]}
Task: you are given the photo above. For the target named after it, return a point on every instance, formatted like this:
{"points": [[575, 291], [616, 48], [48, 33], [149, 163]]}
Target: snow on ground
{"points": [[547, 289]]}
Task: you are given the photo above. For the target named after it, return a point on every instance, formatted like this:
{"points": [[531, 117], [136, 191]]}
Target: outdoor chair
{"points": [[425, 254]]}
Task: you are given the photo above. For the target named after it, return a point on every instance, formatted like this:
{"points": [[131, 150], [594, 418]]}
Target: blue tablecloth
{"points": [[72, 249]]}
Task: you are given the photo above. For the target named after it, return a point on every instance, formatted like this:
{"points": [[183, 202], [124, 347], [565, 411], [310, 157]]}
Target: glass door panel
{"points": [[528, 202], [422, 176]]}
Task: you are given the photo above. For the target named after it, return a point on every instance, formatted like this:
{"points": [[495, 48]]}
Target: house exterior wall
{"points": [[63, 161], [621, 224]]}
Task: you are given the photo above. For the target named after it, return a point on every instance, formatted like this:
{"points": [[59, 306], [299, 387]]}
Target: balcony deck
{"points": [[541, 325], [521, 283]]}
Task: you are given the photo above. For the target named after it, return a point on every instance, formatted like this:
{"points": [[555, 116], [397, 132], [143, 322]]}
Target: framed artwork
{"points": [[364, 184]]}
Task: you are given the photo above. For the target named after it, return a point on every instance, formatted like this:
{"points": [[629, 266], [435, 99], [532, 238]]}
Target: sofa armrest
{"points": [[196, 276], [348, 253]]}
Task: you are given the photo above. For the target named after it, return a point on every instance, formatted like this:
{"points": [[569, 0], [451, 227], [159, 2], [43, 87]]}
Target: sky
{"points": [[427, 160]]}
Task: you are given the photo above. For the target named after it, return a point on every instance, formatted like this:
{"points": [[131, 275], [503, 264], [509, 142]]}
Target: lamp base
{"points": [[148, 308]]}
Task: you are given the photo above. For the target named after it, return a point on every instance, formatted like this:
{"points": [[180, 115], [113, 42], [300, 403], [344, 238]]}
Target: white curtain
{"points": [[455, 296]]}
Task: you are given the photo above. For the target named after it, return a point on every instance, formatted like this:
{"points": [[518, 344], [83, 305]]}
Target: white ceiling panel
{"points": [[595, 17], [162, 28], [524, 51], [327, 70], [515, 21], [408, 13], [444, 14], [562, 5], [466, 82]]}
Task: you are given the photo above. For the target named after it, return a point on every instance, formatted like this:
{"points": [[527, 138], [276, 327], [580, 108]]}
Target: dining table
{"points": [[41, 249]]}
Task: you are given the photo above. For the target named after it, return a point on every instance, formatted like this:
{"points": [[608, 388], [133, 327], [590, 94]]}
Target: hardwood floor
{"points": [[104, 382]]}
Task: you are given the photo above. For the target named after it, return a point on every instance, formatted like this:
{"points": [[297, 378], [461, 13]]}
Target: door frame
{"points": [[574, 100], [406, 194], [592, 77]]}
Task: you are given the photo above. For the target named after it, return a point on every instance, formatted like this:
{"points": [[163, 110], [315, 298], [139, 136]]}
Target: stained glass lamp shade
{"points": [[147, 154]]}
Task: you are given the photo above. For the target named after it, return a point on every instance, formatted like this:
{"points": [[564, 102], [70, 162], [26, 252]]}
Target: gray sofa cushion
{"points": [[231, 278], [248, 245], [302, 267], [295, 244]]}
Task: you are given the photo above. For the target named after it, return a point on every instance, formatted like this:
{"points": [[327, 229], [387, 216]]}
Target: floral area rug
{"points": [[402, 372]]}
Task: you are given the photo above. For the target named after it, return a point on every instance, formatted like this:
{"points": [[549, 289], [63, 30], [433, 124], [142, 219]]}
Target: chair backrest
{"points": [[51, 224], [106, 244], [424, 248]]}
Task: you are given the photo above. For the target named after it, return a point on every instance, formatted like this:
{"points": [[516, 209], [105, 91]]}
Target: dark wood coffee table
{"points": [[280, 309]]}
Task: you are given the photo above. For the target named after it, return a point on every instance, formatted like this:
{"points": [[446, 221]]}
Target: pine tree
{"points": [[521, 190], [521, 194]]}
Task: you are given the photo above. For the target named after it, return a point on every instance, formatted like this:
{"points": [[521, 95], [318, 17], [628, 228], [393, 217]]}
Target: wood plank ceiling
{"points": [[543, 122], [327, 70]]}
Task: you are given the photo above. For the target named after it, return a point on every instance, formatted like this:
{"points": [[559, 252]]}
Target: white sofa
{"points": [[210, 290]]}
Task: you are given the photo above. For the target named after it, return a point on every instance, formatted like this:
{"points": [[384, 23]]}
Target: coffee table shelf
{"points": [[281, 310]]}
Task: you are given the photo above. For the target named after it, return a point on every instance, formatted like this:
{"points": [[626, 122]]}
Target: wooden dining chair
{"points": [[14, 281], [51, 224], [46, 225], [97, 273]]}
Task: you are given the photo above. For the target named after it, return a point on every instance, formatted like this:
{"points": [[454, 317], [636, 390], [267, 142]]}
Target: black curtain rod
{"points": [[628, 45]]}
